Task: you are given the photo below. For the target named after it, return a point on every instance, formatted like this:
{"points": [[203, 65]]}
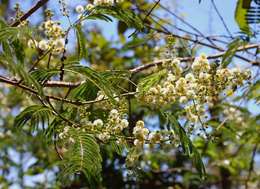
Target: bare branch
{"points": [[30, 12], [185, 59], [221, 18]]}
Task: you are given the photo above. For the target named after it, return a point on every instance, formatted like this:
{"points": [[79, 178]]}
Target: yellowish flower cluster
{"points": [[106, 2], [114, 126], [54, 41], [143, 135], [193, 89], [80, 8], [66, 135], [19, 14], [233, 114], [140, 133]]}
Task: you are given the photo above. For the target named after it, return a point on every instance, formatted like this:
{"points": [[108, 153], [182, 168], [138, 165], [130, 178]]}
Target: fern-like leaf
{"points": [[36, 114], [96, 78], [83, 156]]}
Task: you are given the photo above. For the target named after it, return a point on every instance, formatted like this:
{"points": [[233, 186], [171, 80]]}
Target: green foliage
{"points": [[28, 79], [83, 156], [124, 15], [229, 54], [147, 82], [254, 92], [240, 15], [36, 114], [81, 41], [43, 75], [188, 148], [96, 78], [136, 42], [14, 33]]}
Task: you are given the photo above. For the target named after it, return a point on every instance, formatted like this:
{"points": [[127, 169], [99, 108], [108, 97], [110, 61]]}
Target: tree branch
{"points": [[159, 62], [30, 12], [165, 31], [64, 84], [73, 102]]}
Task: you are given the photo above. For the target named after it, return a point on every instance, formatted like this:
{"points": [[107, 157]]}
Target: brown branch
{"points": [[62, 84], [30, 12], [32, 91], [48, 97], [194, 41], [159, 62]]}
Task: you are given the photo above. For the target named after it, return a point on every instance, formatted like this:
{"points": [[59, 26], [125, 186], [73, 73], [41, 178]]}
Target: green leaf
{"points": [[121, 27], [198, 162], [136, 42], [241, 15], [100, 17], [85, 91], [14, 33], [147, 82], [37, 114], [254, 92], [96, 78], [188, 148], [185, 141], [81, 42], [123, 15], [229, 54], [43, 75], [83, 156], [29, 79], [19, 50]]}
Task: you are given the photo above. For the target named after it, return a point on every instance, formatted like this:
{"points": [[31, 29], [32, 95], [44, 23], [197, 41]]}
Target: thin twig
{"points": [[167, 32], [77, 103], [221, 18], [185, 59], [187, 24], [30, 12]]}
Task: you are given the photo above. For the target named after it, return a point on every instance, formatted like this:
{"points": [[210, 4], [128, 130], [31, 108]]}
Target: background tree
{"points": [[144, 109]]}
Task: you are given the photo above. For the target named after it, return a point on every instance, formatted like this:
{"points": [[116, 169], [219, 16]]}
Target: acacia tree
{"points": [[142, 111]]}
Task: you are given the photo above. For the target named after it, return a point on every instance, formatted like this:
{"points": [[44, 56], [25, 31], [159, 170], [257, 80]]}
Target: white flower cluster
{"points": [[81, 9], [106, 2], [114, 126], [54, 41], [140, 133], [143, 135], [104, 102], [234, 114], [65, 135], [195, 89]]}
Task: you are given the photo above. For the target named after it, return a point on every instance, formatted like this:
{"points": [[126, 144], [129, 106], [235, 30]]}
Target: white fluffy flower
{"points": [[89, 6], [32, 43], [43, 45], [59, 43], [140, 124], [138, 142], [79, 9], [183, 99], [113, 113], [103, 136], [124, 123], [98, 122]]}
